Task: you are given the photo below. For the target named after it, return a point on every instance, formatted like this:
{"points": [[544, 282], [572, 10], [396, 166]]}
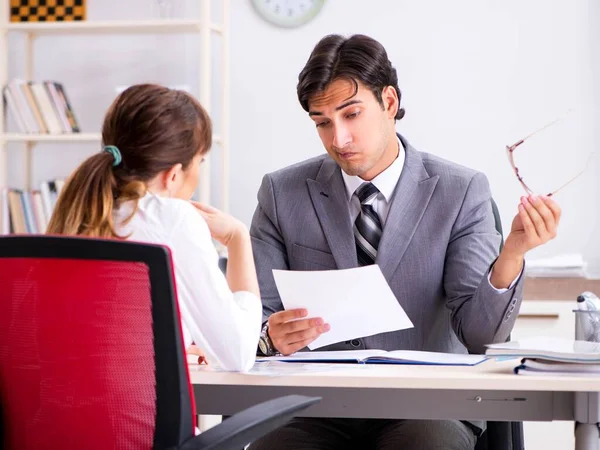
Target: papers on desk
{"points": [[551, 356], [381, 357], [569, 265], [549, 349], [354, 302], [542, 367]]}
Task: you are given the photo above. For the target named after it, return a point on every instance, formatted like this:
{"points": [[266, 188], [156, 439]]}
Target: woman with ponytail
{"points": [[139, 187]]}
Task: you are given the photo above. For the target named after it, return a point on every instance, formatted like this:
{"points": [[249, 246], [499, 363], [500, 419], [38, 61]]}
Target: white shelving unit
{"points": [[203, 27], [33, 138]]}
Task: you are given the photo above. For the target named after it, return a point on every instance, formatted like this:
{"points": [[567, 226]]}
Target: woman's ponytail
{"points": [[85, 204]]}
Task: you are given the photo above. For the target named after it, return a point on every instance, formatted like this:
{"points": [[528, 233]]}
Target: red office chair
{"points": [[91, 353]]}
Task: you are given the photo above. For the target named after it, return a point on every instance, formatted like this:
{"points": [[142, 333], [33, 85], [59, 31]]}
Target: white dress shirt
{"points": [[225, 325], [386, 183]]}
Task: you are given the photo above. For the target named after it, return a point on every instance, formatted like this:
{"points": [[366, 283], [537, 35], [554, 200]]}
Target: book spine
{"points": [[68, 108], [59, 109], [46, 199], [38, 208], [15, 111], [34, 107], [17, 215], [23, 105], [4, 212], [28, 212], [43, 100]]}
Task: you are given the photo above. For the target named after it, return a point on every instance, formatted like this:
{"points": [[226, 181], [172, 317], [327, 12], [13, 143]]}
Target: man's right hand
{"points": [[289, 332]]}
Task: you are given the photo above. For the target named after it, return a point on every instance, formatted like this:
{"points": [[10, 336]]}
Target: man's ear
{"points": [[390, 100]]}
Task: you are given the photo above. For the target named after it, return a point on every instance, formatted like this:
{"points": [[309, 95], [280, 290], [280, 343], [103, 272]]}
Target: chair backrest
{"points": [[497, 222], [501, 435], [91, 353]]}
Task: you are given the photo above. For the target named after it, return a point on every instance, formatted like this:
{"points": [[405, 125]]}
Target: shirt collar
{"points": [[386, 181]]}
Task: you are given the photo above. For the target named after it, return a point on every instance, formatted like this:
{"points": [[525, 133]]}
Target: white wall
{"points": [[475, 75]]}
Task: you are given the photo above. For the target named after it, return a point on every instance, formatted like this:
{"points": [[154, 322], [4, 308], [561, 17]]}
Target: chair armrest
{"points": [[252, 423]]}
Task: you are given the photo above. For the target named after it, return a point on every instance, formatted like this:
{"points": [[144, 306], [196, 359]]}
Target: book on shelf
{"points": [[381, 357], [40, 107], [4, 214], [28, 212]]}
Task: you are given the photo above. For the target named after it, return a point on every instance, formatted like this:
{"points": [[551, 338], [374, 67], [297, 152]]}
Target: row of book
{"points": [[40, 107], [23, 212]]}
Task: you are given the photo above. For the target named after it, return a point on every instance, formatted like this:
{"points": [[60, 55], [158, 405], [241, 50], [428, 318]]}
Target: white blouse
{"points": [[225, 325]]}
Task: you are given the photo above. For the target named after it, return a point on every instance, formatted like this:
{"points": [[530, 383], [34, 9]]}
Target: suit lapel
{"points": [[408, 204], [328, 195]]}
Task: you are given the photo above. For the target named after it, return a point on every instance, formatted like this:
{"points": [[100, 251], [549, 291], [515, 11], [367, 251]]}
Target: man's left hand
{"points": [[535, 224]]}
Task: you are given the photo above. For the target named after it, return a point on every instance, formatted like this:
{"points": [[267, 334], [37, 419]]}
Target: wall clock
{"points": [[288, 13]]}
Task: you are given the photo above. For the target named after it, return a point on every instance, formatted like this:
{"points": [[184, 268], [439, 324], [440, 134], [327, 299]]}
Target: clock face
{"points": [[288, 13]]}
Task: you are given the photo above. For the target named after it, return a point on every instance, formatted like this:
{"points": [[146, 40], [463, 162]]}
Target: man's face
{"points": [[357, 132]]}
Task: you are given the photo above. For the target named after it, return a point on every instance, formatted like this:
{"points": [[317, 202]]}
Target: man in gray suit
{"points": [[374, 199]]}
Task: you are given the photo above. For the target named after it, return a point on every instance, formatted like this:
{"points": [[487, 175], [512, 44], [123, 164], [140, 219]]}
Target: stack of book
{"points": [[23, 212], [570, 265], [40, 107], [551, 356]]}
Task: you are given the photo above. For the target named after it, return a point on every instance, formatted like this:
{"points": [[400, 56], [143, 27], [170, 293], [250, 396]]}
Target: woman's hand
{"points": [[223, 227], [194, 350]]}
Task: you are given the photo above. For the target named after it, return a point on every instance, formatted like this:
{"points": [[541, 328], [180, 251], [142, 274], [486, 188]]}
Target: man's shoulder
{"points": [[448, 171], [455, 181], [298, 172]]}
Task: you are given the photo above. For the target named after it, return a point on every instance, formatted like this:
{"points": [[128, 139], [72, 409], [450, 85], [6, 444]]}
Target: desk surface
{"points": [[566, 289], [489, 375]]}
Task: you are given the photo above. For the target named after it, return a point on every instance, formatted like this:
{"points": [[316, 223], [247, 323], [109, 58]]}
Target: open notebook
{"points": [[381, 357]]}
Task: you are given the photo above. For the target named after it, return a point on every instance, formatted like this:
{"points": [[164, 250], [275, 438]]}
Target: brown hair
{"points": [[357, 58], [154, 128]]}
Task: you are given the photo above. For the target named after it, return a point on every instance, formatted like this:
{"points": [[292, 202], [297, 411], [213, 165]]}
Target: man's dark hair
{"points": [[357, 58]]}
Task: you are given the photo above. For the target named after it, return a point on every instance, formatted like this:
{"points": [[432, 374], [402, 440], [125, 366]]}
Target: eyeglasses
{"points": [[510, 150]]}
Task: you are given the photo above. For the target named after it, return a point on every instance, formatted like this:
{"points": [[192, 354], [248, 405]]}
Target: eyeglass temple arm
{"points": [[511, 148], [575, 177], [515, 145]]}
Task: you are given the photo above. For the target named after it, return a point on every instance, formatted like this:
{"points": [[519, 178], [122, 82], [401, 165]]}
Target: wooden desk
{"points": [[489, 391], [558, 288]]}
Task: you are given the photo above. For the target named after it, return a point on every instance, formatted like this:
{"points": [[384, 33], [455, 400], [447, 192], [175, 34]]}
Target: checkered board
{"points": [[46, 10]]}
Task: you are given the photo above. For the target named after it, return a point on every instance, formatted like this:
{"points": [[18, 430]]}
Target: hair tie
{"points": [[113, 150]]}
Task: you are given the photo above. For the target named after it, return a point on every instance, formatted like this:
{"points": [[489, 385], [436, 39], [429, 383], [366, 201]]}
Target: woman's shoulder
{"points": [[183, 229], [170, 212]]}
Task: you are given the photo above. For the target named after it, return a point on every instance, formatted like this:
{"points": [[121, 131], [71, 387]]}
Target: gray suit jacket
{"points": [[437, 247]]}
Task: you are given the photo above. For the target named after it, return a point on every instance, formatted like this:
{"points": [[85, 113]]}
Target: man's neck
{"points": [[389, 156]]}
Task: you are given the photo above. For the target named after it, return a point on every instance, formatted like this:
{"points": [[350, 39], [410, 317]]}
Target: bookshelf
{"points": [[116, 26], [203, 27]]}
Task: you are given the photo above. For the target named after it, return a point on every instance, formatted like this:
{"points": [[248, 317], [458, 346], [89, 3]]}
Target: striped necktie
{"points": [[367, 227]]}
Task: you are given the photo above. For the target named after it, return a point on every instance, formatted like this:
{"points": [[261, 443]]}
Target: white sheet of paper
{"points": [[355, 302]]}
